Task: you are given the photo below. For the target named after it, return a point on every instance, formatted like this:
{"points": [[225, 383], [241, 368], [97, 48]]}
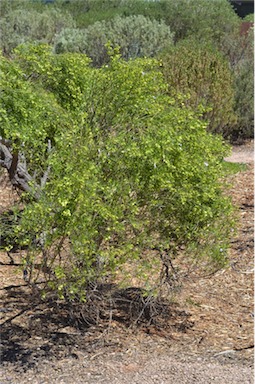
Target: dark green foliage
{"points": [[9, 221], [205, 20], [89, 12]]}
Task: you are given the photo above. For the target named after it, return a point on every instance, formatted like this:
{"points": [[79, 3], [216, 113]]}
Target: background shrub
{"points": [[141, 28], [71, 40], [239, 51], [249, 18], [244, 102], [20, 26], [137, 36], [202, 74], [204, 19], [200, 19]]}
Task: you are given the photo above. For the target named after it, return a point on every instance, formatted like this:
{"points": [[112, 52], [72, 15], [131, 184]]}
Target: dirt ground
{"points": [[208, 337]]}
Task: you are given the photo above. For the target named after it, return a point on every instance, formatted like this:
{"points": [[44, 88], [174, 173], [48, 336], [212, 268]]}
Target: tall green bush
{"points": [[202, 74], [131, 169], [239, 51], [244, 102]]}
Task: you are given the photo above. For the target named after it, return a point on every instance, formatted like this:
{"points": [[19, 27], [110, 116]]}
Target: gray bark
{"points": [[19, 176]]}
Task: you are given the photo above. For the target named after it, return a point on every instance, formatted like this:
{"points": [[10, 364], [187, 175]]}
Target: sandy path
{"points": [[242, 153]]}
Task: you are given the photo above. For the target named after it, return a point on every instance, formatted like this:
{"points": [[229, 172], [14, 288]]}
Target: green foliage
{"points": [[131, 168], [239, 50], [201, 18], [249, 18], [233, 168], [29, 115], [9, 221], [205, 20], [136, 36], [202, 74], [20, 25], [141, 28], [71, 40], [89, 12], [244, 102]]}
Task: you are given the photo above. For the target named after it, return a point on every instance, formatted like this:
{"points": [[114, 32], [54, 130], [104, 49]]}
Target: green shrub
{"points": [[136, 36], [244, 103], [20, 26], [249, 18], [28, 113], [88, 12], [8, 6], [205, 20], [239, 50], [71, 40], [131, 170], [202, 74]]}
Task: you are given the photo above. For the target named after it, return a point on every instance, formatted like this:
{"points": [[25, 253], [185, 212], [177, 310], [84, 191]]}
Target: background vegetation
{"points": [[145, 28]]}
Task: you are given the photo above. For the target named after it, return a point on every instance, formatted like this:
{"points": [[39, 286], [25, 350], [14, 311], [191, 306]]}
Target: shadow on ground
{"points": [[34, 329]]}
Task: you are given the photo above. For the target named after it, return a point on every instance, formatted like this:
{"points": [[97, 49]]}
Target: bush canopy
{"points": [[118, 169]]}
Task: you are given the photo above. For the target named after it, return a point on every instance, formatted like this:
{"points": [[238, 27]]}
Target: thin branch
{"points": [[47, 172], [45, 177]]}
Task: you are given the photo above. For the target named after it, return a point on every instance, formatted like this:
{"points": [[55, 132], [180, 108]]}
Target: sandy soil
{"points": [[242, 153], [207, 339]]}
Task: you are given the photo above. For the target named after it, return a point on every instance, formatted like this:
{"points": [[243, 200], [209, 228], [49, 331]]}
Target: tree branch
{"points": [[18, 174]]}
